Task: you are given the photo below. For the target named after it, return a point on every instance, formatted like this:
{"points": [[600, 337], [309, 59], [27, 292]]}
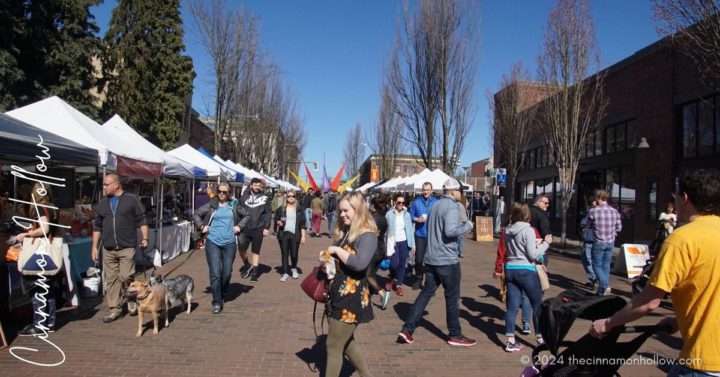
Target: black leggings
{"points": [[289, 245]]}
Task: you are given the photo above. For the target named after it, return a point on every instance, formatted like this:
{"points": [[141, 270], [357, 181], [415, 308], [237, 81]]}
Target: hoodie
{"points": [[258, 208], [522, 251]]}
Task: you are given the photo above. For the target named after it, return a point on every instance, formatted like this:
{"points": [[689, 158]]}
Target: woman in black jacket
{"points": [[290, 220]]}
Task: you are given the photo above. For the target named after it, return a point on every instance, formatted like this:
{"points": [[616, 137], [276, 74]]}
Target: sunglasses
{"points": [[223, 192], [291, 196], [399, 203]]}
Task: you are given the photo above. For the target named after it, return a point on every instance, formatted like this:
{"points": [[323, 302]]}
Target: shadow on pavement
{"points": [[314, 358], [403, 311], [489, 318], [491, 291]]}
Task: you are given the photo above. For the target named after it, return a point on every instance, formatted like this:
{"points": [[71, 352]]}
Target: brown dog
{"points": [[150, 299]]}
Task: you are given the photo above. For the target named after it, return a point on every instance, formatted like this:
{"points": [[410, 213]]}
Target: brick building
{"points": [[656, 95]]}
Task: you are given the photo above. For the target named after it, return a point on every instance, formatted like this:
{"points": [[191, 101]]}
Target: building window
{"points": [[598, 143], [652, 200], [531, 159], [689, 123], [615, 138], [590, 145], [706, 129]]}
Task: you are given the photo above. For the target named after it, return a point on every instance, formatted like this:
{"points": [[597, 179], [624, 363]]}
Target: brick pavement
{"points": [[266, 330]]}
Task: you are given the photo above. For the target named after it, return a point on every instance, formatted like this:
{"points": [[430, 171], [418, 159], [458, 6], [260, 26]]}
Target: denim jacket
{"points": [[390, 216]]}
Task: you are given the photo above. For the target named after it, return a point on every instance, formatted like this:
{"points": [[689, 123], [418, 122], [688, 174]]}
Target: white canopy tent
{"points": [[194, 157], [415, 182], [390, 184], [173, 166], [57, 117], [365, 187]]}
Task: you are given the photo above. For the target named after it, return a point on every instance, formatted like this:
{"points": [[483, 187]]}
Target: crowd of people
{"points": [[424, 237]]}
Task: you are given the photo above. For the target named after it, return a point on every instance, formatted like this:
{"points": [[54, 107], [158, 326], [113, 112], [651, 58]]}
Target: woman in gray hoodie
{"points": [[524, 254]]}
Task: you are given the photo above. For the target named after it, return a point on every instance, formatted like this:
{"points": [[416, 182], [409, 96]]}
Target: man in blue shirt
{"points": [[420, 212]]}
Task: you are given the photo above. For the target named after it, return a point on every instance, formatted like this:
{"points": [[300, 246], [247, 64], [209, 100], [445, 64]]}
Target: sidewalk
{"points": [[266, 330]]}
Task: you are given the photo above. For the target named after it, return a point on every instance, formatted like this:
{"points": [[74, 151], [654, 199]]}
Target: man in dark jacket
{"points": [[257, 206], [117, 219], [539, 219]]}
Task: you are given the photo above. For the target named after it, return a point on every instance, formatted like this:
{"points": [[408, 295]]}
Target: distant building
{"points": [[480, 175], [661, 119], [402, 165]]}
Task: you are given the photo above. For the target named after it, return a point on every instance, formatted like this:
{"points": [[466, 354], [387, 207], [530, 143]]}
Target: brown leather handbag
{"points": [[315, 285]]}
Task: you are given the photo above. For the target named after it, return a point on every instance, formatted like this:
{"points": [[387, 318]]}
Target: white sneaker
{"points": [[285, 277], [295, 274]]}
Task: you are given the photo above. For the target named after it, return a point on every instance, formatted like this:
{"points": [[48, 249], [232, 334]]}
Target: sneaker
{"points": [[249, 270], [591, 286], [255, 274], [512, 347], [608, 291], [540, 340], [461, 341], [417, 285], [385, 298], [399, 291], [295, 274], [406, 337], [111, 317], [31, 330], [285, 278], [526, 328], [216, 308]]}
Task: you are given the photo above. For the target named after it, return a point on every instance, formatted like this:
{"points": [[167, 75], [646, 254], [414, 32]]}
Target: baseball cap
{"points": [[451, 184]]}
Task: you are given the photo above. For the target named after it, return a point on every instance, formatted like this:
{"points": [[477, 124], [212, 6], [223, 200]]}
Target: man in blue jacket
{"points": [[442, 266], [420, 211]]}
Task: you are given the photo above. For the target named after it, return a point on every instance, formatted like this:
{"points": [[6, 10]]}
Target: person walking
{"points": [[523, 258], [278, 201], [378, 208], [318, 209], [420, 211], [306, 200], [330, 209], [256, 205], [442, 267], [499, 212], [687, 270], [606, 223], [44, 300], [290, 220], [476, 205], [588, 239], [117, 219], [400, 236], [349, 302], [221, 220], [540, 220]]}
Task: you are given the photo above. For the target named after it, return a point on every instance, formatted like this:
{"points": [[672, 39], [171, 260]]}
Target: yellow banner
{"points": [[348, 184], [300, 182]]}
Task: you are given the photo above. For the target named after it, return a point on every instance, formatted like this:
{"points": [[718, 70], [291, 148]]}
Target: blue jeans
{"points": [[519, 283], [220, 261], [449, 278], [527, 311], [682, 371], [400, 261], [601, 258], [586, 258], [308, 217], [331, 223]]}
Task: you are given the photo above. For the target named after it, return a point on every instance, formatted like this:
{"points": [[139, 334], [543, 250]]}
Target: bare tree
{"points": [[432, 76], [354, 150], [225, 36], [697, 24], [570, 114], [512, 117], [387, 141]]}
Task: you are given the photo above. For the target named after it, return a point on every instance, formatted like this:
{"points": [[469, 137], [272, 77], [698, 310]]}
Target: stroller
{"points": [[587, 356], [640, 282]]}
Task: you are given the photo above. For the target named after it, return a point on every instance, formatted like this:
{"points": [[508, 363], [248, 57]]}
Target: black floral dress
{"points": [[349, 291]]}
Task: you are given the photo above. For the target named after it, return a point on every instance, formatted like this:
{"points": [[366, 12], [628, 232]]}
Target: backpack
{"points": [[332, 203]]}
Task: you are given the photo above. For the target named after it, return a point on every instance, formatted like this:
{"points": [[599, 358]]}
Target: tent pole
{"points": [[192, 196], [160, 228]]}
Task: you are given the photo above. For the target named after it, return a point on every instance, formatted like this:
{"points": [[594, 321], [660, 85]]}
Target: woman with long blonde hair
{"points": [[355, 243]]}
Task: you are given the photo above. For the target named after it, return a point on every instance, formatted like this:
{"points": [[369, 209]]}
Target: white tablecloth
{"points": [[175, 240]]}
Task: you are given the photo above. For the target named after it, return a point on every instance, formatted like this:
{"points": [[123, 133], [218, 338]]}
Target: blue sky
{"points": [[332, 55]]}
